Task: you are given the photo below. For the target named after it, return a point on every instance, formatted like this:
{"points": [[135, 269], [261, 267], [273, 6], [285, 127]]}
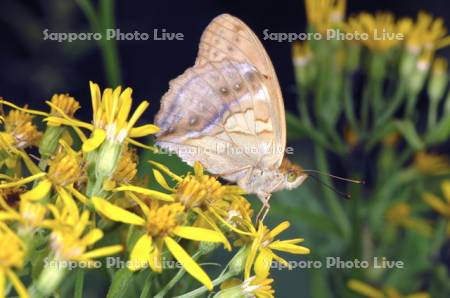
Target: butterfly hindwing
{"points": [[208, 115]]}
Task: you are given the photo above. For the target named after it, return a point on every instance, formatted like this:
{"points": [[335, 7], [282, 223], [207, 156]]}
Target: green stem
{"points": [[79, 283], [331, 199], [432, 114], [147, 286], [99, 23], [348, 102], [202, 290], [303, 107], [175, 279], [395, 103]]}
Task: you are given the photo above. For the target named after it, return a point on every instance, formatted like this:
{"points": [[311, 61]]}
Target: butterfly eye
{"points": [[291, 176]]}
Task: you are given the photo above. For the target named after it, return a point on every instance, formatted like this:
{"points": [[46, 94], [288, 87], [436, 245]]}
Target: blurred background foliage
{"points": [[353, 109]]}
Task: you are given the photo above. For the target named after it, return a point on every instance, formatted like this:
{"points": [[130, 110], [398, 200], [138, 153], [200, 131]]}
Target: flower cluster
{"points": [[86, 188]]}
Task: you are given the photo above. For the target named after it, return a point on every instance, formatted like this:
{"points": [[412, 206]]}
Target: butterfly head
{"points": [[293, 174]]}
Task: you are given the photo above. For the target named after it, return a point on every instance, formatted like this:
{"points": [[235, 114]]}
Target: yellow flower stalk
{"points": [[369, 291], [325, 14], [161, 224], [12, 256], [263, 245]]}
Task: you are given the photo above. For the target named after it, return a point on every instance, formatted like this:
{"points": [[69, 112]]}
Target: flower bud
{"points": [[439, 79], [50, 141], [107, 159], [417, 78], [237, 264]]}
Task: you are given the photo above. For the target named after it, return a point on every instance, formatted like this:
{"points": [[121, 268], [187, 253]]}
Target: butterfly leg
{"points": [[264, 209]]}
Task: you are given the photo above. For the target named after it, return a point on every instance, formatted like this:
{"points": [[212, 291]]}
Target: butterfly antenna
{"points": [[340, 193], [335, 177]]}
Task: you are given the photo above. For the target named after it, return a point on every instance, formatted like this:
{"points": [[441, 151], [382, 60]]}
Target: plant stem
{"points": [[148, 284], [331, 198], [197, 292], [175, 279]]}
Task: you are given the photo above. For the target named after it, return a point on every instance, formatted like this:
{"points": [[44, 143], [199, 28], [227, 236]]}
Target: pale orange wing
{"points": [[227, 37]]}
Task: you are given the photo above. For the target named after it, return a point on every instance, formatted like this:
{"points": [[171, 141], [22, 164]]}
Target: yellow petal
{"points": [[198, 169], [69, 203], [137, 114], [140, 145], [22, 181], [197, 234], [31, 166], [446, 190], [364, 289], [39, 192], [279, 229], [92, 237], [116, 213], [101, 252], [18, 285], [188, 263], [148, 192], [139, 254], [97, 138], [161, 180], [81, 197], [263, 263], [288, 247], [144, 130], [166, 170], [2, 283], [154, 259], [251, 258], [435, 203]]}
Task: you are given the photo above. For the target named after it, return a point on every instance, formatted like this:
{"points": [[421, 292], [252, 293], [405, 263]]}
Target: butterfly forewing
{"points": [[228, 37]]}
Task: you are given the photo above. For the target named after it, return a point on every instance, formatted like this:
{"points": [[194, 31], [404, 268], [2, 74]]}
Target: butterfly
{"points": [[227, 112]]}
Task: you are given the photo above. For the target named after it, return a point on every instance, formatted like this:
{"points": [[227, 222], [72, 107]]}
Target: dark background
{"points": [[33, 69]]}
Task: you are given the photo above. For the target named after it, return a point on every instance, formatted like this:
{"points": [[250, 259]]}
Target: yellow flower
{"points": [[125, 171], [375, 25], [72, 234], [367, 290], [30, 214], [427, 33], [255, 286], [431, 164], [161, 223], [65, 103], [110, 118], [400, 215], [325, 14], [262, 246], [64, 171], [11, 256], [19, 132]]}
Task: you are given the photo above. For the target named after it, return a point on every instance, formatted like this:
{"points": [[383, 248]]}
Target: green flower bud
{"points": [[50, 140], [407, 64], [234, 292], [439, 79], [417, 78], [237, 263], [107, 159]]}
